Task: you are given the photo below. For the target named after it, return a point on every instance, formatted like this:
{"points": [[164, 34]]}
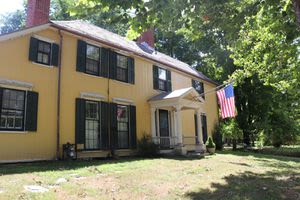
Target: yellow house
{"points": [[73, 82]]}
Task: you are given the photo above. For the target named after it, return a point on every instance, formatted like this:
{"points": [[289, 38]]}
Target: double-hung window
{"points": [[199, 87], [122, 68], [12, 110], [92, 125], [92, 59], [123, 126], [44, 52], [162, 79]]}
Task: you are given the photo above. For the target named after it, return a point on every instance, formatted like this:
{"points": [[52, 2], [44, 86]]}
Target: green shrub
{"points": [[210, 143], [217, 137], [146, 147]]}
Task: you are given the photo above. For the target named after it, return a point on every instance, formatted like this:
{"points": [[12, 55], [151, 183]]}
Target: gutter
{"points": [[58, 96], [128, 50]]}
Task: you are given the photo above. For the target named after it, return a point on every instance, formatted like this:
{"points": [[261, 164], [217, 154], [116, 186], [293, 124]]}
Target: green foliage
{"points": [[217, 137], [146, 147], [12, 21], [210, 143], [231, 130]]}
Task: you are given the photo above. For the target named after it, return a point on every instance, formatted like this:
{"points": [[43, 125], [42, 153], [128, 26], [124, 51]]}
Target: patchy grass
{"points": [[226, 175], [291, 150]]}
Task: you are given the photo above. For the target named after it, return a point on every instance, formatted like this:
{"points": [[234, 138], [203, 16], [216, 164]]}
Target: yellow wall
{"points": [[14, 65]]}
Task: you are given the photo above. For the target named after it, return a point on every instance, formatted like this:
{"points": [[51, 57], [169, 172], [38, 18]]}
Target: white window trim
{"points": [[14, 84], [43, 38], [123, 101], [92, 96], [44, 65]]}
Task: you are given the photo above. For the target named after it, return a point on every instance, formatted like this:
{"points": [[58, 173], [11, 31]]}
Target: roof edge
{"points": [[128, 50], [21, 32]]}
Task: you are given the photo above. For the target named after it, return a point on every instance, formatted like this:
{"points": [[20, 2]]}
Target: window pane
{"points": [[10, 122], [122, 61], [93, 52], [18, 122], [40, 57], [123, 140], [122, 113], [12, 109], [3, 121], [47, 48], [92, 66], [162, 74], [45, 58], [162, 85], [122, 74]]}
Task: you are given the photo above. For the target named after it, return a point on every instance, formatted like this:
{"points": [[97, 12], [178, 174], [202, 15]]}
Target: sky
{"points": [[10, 5]]}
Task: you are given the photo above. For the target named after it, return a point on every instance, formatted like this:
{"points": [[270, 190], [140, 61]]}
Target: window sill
{"points": [[14, 132], [122, 82], [44, 65]]}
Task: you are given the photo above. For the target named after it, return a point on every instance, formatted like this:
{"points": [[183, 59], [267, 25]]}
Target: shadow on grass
{"points": [[42, 166], [259, 155], [252, 186]]}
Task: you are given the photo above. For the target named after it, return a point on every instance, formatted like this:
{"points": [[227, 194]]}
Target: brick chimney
{"points": [[147, 36], [37, 12]]}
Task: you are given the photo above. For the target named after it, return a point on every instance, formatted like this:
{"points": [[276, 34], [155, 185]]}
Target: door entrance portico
{"points": [[175, 102]]}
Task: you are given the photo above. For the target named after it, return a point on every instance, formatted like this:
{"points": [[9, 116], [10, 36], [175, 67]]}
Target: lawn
{"points": [[226, 175]]}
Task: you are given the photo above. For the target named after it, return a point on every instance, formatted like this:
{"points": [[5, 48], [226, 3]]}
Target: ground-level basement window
{"points": [[123, 126], [12, 110]]}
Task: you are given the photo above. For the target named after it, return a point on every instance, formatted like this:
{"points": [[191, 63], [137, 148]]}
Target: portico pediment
{"points": [[187, 98]]}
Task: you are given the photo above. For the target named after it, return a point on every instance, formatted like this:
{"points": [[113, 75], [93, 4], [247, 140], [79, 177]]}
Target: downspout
{"points": [[109, 114], [58, 96]]}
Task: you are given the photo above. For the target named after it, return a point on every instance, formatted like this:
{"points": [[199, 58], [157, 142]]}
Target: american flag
{"points": [[226, 101]]}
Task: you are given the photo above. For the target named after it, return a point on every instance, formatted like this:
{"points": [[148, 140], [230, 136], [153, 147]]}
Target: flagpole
{"points": [[214, 89]]}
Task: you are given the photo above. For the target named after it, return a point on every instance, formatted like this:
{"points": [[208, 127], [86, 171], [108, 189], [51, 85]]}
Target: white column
{"points": [[199, 125], [153, 122], [178, 124], [199, 147]]}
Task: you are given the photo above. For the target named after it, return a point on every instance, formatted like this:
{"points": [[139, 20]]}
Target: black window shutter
{"points": [[155, 77], [55, 52], [104, 62], [80, 121], [104, 125], [1, 96], [113, 65], [113, 126], [193, 83], [204, 127], [33, 49], [31, 111], [202, 90], [81, 56], [196, 125], [132, 127], [169, 81], [131, 78]]}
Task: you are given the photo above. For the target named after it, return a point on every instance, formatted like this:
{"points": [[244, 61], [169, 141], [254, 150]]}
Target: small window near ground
{"points": [[122, 68], [44, 52], [12, 110], [123, 126], [92, 59]]}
